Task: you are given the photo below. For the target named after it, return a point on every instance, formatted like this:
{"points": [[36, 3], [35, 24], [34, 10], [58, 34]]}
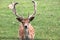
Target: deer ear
{"points": [[19, 19], [31, 18]]}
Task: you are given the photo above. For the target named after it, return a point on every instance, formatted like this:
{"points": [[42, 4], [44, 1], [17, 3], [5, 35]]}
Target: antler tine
{"points": [[35, 4], [12, 7], [14, 10]]}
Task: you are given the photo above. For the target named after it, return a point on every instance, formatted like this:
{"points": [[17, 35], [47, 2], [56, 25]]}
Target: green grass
{"points": [[46, 22]]}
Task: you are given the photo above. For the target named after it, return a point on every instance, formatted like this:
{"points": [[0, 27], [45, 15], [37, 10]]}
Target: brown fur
{"points": [[30, 29]]}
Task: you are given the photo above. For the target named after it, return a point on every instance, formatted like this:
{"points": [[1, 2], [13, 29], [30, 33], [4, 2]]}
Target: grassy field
{"points": [[46, 22]]}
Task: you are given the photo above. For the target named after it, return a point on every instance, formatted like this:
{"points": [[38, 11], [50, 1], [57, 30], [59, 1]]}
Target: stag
{"points": [[26, 31]]}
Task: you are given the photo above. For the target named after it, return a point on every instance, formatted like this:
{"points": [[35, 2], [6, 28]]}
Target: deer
{"points": [[26, 30]]}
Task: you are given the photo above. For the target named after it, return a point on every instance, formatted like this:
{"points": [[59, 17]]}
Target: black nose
{"points": [[25, 27]]}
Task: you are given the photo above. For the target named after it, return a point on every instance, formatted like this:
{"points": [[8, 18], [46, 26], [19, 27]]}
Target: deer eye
{"points": [[22, 22]]}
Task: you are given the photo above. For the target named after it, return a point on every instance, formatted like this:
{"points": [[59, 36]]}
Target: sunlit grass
{"points": [[46, 22]]}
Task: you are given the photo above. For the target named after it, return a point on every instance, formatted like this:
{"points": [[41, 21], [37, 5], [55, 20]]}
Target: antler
{"points": [[12, 7], [34, 9]]}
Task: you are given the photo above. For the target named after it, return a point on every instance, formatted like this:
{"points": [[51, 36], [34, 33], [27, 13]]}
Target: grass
{"points": [[46, 22]]}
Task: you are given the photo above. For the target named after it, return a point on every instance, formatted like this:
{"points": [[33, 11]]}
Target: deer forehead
{"points": [[25, 20]]}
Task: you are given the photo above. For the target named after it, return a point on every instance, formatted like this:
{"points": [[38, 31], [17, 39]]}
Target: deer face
{"points": [[25, 22]]}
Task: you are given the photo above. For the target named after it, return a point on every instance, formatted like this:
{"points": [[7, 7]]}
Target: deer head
{"points": [[24, 21]]}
